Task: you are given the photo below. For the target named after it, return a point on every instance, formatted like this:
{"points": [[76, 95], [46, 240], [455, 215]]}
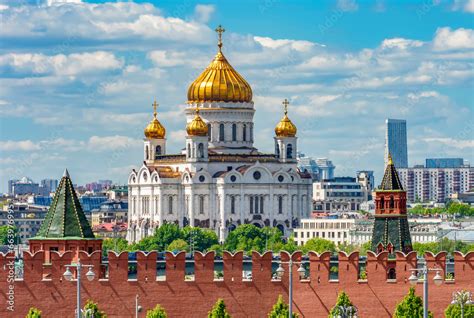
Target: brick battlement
{"points": [[188, 288]]}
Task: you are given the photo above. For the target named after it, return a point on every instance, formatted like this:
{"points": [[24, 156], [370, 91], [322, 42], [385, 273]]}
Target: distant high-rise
{"points": [[49, 184], [444, 162], [396, 142], [326, 168]]}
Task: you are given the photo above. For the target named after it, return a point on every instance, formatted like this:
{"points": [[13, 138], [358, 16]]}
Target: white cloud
{"points": [[464, 5], [400, 43], [426, 94], [203, 12], [167, 58], [451, 142], [347, 5], [111, 143], [447, 39], [20, 145], [302, 46], [72, 64]]}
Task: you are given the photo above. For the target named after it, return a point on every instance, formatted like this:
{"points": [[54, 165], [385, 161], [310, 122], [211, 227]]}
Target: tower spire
{"points": [[219, 31]]}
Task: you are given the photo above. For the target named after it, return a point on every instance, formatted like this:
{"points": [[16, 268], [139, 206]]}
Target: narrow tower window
{"points": [[289, 151], [244, 132], [221, 132], [234, 132]]}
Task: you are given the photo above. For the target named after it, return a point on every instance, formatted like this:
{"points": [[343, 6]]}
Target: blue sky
{"points": [[78, 78]]}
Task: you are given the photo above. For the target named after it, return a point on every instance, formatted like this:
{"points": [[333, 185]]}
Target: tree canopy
{"points": [[157, 312], [319, 245], [451, 208], [410, 307], [114, 244], [343, 303], [4, 234], [219, 310], [33, 313], [91, 310], [280, 309]]}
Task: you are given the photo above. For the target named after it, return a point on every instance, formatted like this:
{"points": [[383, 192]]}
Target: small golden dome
{"points": [[154, 130], [285, 128], [197, 127], [219, 82]]}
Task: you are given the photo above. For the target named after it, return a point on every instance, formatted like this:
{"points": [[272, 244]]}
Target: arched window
{"points": [[382, 203], [201, 204], [232, 205], [170, 205], [251, 132], [209, 132], [251, 205], [221, 132], [201, 151], [277, 150], [234, 132], [392, 202], [244, 132], [392, 274], [158, 151], [189, 150], [289, 151], [280, 204], [147, 153]]}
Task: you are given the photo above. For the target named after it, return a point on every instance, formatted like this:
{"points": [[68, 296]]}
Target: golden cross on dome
{"points": [[155, 105], [285, 104], [219, 31]]}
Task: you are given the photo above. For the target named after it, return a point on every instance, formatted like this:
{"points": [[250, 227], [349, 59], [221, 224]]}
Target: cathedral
{"points": [[219, 180]]}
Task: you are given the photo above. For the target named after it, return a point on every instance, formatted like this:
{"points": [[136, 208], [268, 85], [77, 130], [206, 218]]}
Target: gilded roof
{"points": [[219, 82], [197, 126], [155, 130], [285, 128]]}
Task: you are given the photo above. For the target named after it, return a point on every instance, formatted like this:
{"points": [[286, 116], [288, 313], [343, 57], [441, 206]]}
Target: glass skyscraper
{"points": [[396, 142]]}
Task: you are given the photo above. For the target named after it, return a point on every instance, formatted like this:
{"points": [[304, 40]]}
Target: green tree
{"points": [[219, 310], [319, 245], [160, 240], [157, 312], [246, 237], [367, 246], [217, 248], [5, 231], [342, 301], [199, 239], [178, 245], [410, 307], [91, 310], [118, 245], [454, 311], [348, 248], [280, 309], [457, 208], [33, 313]]}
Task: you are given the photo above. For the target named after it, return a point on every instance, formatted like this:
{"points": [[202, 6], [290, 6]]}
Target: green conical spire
{"points": [[65, 218]]}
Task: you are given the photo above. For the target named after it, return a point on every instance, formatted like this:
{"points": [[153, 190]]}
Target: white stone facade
{"points": [[219, 181]]}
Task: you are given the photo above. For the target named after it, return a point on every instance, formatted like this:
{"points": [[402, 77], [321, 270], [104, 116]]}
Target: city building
{"points": [[396, 142], [23, 186], [27, 218], [118, 193], [220, 180], [367, 181], [391, 231], [49, 185], [91, 202], [435, 184], [333, 229], [340, 194], [110, 212], [422, 230], [444, 162], [326, 168], [110, 230], [10, 185], [308, 165]]}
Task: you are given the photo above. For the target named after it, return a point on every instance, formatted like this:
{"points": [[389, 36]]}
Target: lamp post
{"points": [[438, 280], [138, 308], [280, 271], [68, 276], [462, 298]]}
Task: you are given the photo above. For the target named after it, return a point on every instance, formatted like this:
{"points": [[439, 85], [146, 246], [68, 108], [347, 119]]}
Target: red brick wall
{"points": [[313, 297]]}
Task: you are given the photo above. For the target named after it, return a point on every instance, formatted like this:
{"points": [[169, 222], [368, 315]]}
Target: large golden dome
{"points": [[197, 127], [220, 82], [155, 130], [285, 128]]}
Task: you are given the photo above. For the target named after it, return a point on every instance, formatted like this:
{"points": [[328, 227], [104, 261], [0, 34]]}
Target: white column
{"points": [[191, 208], [160, 207]]}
